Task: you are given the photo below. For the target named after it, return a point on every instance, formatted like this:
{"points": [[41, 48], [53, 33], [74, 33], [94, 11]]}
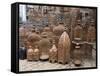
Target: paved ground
{"points": [[25, 65], [40, 65]]}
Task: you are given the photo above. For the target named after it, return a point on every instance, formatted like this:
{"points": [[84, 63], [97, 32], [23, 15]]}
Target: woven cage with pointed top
{"points": [[64, 48]]}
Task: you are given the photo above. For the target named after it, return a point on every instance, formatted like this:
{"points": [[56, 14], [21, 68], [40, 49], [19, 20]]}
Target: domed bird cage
{"points": [[44, 46], [58, 30], [47, 31], [33, 38]]}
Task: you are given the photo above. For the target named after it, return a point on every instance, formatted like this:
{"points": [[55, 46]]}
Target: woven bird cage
{"points": [[77, 54], [36, 53], [53, 53], [47, 31], [58, 30], [44, 46], [64, 48], [22, 35], [33, 38], [91, 35], [30, 53], [78, 31]]}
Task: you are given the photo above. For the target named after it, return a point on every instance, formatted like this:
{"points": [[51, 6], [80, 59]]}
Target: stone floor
{"points": [[25, 65]]}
